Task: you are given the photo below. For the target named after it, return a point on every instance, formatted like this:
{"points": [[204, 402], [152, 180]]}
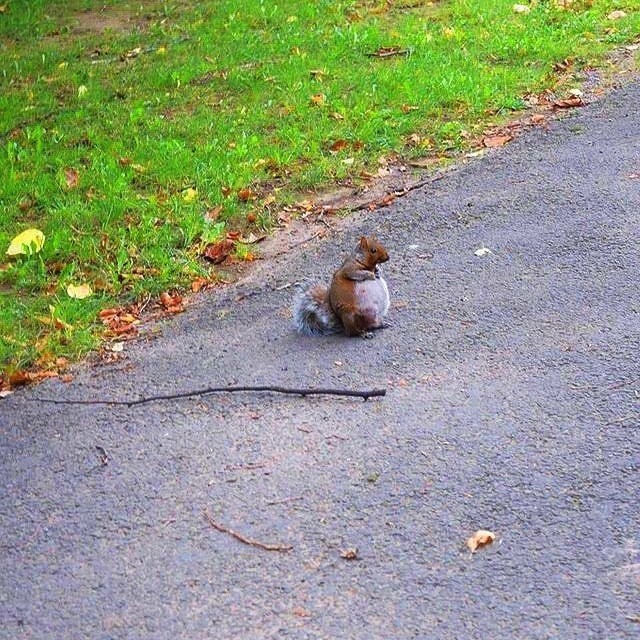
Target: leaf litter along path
{"points": [[512, 407]]}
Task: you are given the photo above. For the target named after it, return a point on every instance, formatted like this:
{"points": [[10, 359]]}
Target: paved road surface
{"points": [[513, 404]]}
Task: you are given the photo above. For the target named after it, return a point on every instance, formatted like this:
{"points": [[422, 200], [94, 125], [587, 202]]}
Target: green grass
{"points": [[216, 96]]}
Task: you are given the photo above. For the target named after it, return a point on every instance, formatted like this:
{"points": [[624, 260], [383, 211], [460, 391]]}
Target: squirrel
{"points": [[356, 300]]}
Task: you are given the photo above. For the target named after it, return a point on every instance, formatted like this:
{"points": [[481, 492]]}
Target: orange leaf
{"points": [[339, 145], [218, 252], [246, 194]]}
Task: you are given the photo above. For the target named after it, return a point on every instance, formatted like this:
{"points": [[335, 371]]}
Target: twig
{"points": [[365, 395], [401, 192], [284, 500], [104, 458], [621, 419], [245, 540]]}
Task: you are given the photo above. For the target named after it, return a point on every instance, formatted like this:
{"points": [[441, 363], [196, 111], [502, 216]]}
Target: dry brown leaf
{"points": [[568, 103], [496, 141], [246, 194], [318, 99], [338, 145], [218, 252], [19, 378], [407, 108], [71, 178], [480, 538], [200, 283], [616, 15], [537, 118], [171, 302], [349, 554]]}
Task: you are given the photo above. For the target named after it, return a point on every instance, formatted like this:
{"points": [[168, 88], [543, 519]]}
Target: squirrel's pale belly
{"points": [[373, 298]]}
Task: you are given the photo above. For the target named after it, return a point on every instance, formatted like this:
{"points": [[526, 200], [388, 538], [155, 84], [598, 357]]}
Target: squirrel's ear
{"points": [[363, 243]]}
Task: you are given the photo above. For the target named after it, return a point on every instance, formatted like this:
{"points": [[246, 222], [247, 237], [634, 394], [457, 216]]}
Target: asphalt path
{"points": [[513, 384]]}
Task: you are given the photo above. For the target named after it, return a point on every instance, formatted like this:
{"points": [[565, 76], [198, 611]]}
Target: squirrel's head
{"points": [[373, 252]]}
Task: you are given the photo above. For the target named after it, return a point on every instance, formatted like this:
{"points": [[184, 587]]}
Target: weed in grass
{"points": [[123, 124]]}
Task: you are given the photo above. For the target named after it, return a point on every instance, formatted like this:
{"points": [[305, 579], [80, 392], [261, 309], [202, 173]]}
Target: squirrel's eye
{"points": [[373, 249]]}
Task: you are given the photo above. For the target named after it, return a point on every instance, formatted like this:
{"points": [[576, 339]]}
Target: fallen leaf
{"points": [[521, 8], [563, 65], [318, 99], [252, 238], [338, 145], [71, 178], [407, 108], [173, 303], [199, 284], [79, 292], [349, 554], [19, 378], [337, 116], [616, 15], [27, 242], [568, 103], [537, 118], [117, 347], [67, 377], [246, 194], [479, 539], [190, 194], [218, 252], [234, 235], [496, 141]]}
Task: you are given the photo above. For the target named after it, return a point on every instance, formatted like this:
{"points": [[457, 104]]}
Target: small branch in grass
{"points": [[365, 395], [244, 539]]}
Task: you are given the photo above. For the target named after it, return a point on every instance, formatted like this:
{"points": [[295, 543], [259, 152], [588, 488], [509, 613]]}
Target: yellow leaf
{"points": [[80, 292], [27, 242], [189, 195]]}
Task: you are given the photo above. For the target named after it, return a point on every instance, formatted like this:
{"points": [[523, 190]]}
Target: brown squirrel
{"points": [[356, 301]]}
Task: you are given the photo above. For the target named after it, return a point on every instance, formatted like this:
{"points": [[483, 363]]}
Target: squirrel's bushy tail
{"points": [[312, 313]]}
